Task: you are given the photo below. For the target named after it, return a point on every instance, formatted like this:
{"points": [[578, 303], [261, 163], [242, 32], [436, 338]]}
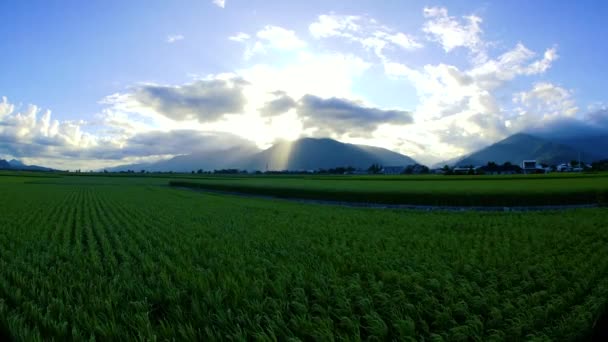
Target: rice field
{"points": [[130, 258], [437, 190]]}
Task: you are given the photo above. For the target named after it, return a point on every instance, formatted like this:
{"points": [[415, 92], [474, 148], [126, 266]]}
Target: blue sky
{"points": [[461, 74]]}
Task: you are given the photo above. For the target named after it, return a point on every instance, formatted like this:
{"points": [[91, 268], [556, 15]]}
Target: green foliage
{"points": [[601, 165], [118, 258], [375, 168]]}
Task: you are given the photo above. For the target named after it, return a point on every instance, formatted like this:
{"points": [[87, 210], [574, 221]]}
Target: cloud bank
{"points": [[313, 83]]}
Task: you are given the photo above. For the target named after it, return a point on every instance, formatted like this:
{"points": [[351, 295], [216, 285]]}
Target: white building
{"points": [[531, 167]]}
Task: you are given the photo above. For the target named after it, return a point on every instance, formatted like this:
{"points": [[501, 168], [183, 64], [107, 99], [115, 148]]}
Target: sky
{"points": [[90, 84]]}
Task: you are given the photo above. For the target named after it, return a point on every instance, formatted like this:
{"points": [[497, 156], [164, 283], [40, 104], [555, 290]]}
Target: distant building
{"points": [[532, 167], [563, 168], [495, 169], [567, 167], [528, 166]]}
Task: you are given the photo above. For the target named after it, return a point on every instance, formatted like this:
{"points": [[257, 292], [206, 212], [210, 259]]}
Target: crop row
{"points": [[147, 262]]}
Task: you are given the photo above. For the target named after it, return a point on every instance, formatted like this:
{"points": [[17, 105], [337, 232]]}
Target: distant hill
{"points": [[302, 154], [313, 154], [524, 146], [18, 165], [592, 145], [589, 137], [232, 158]]}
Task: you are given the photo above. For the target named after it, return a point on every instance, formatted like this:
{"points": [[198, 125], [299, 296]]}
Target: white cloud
{"points": [[462, 108], [363, 30], [219, 3], [442, 86], [269, 38], [5, 107], [542, 65], [545, 101], [452, 33], [280, 38], [325, 75], [335, 26], [240, 37], [31, 132], [174, 38]]}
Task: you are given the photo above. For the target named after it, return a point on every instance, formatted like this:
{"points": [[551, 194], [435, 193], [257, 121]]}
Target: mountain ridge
{"points": [[525, 146], [301, 154], [15, 164], [307, 154]]}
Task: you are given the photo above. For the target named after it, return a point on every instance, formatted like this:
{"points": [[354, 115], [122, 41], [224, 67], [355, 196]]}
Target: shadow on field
{"points": [[600, 331], [4, 334]]}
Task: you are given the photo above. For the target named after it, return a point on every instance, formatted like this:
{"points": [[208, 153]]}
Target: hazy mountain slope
{"points": [[589, 137], [313, 154], [209, 160], [302, 154], [18, 165], [594, 146], [206, 160], [523, 146]]}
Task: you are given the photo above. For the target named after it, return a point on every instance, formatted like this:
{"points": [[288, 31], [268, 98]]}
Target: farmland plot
{"points": [[122, 259], [517, 190]]}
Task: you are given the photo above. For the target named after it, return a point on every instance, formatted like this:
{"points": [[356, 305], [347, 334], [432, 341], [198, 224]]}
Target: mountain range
{"points": [[324, 153], [524, 146], [549, 146], [302, 154], [15, 164]]}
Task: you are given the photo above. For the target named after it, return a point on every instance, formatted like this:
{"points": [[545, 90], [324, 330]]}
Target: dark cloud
{"points": [[148, 144], [180, 142], [158, 143], [205, 100], [281, 104], [342, 116]]}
